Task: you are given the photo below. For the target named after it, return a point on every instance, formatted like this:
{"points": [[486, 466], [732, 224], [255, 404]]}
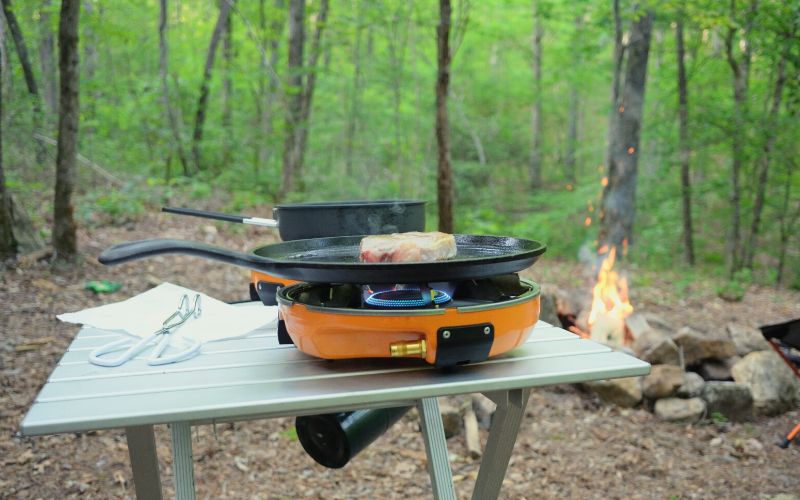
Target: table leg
{"points": [[436, 448], [144, 461], [182, 462], [502, 435]]}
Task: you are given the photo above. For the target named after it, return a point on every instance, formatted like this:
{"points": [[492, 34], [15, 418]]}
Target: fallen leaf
{"points": [[26, 457], [240, 463]]}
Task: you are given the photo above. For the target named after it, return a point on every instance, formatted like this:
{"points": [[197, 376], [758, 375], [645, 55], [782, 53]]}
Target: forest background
{"points": [[191, 102]]}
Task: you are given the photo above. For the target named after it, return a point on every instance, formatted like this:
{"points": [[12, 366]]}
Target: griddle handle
{"points": [[135, 250]]}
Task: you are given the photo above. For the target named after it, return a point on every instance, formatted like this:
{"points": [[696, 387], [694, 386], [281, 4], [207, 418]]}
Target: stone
{"points": [[746, 339], [637, 325], [663, 381], [774, 387], [731, 400], [718, 369], [451, 420], [655, 347], [625, 392], [548, 311], [699, 346], [692, 386], [484, 409], [752, 447], [680, 410], [657, 322]]}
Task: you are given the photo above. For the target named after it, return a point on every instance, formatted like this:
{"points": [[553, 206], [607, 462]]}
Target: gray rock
{"points": [[655, 346], [637, 324], [692, 386], [484, 409], [680, 410], [774, 387], [746, 339], [657, 322], [548, 311], [625, 392], [733, 401], [451, 419], [699, 346], [663, 381], [716, 369]]}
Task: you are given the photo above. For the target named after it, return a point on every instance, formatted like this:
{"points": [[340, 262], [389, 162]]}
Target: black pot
{"points": [[346, 218], [301, 221]]}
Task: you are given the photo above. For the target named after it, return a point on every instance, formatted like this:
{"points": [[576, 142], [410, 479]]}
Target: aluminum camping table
{"points": [[255, 377]]}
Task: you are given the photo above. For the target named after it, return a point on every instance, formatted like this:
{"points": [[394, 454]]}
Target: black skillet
{"points": [[335, 260]]}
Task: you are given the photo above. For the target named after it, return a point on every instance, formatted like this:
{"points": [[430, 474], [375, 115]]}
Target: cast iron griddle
{"points": [[335, 260]]}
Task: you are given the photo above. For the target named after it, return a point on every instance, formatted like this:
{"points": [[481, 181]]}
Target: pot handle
{"points": [[205, 214], [141, 249]]}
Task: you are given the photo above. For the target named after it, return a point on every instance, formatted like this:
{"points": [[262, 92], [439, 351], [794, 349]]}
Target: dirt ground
{"points": [[570, 444]]}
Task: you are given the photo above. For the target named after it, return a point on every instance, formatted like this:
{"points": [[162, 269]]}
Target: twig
{"points": [[86, 161]]}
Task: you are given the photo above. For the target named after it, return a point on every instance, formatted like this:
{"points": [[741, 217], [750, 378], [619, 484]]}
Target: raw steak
{"points": [[407, 247]]}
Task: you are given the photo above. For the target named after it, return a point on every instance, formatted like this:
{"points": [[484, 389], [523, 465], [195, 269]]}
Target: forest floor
{"points": [[570, 445]]}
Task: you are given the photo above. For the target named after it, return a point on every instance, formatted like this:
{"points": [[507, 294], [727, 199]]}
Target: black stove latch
{"points": [[460, 345], [283, 333]]}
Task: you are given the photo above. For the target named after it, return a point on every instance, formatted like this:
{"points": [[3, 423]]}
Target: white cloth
{"points": [[143, 314]]}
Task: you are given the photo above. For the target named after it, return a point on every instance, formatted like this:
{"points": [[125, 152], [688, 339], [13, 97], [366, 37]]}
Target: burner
{"points": [[407, 296]]}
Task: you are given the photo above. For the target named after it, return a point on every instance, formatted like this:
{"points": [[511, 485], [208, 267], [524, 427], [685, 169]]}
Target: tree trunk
{"points": [[536, 115], [616, 82], [202, 101], [295, 95], [570, 162], [355, 97], [8, 243], [30, 79], [619, 193], [308, 89], [570, 166], [64, 228], [268, 82], [227, 90], [740, 70], [683, 145], [771, 133], [786, 223], [295, 151], [444, 179], [47, 58], [163, 58], [397, 51]]}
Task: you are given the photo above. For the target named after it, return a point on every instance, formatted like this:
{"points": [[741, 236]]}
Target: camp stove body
{"points": [[446, 324]]}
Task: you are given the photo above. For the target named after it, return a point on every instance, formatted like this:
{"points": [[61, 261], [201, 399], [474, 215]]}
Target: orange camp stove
{"points": [[446, 324]]}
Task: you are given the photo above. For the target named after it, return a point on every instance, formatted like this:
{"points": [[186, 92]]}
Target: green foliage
{"points": [[124, 127], [718, 418], [734, 289]]}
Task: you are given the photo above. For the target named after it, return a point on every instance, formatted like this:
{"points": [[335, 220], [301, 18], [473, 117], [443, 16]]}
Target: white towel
{"points": [[144, 314]]}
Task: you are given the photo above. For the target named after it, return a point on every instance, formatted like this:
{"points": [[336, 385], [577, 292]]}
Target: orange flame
{"points": [[610, 302]]}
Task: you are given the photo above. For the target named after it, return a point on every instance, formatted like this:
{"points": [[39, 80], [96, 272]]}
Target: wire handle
{"points": [[131, 350]]}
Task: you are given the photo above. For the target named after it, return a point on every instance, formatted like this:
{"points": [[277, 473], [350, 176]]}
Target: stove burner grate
{"points": [[407, 297]]}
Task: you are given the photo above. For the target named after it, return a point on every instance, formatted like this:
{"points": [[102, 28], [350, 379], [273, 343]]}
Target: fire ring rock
{"points": [[698, 346], [729, 399], [625, 392], [680, 410], [774, 387], [663, 381]]}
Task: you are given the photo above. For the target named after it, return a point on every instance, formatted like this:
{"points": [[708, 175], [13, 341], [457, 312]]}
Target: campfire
{"points": [[605, 321]]}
